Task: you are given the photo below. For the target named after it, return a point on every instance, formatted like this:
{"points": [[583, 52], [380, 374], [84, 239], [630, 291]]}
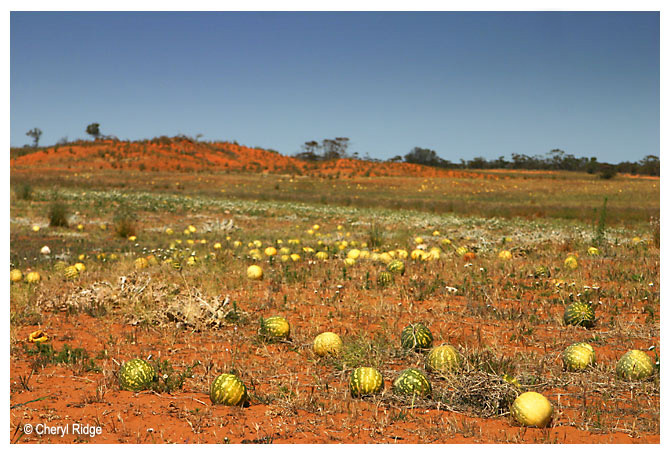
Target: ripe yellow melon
{"points": [[354, 254], [15, 275], [571, 262], [33, 277], [327, 343], [505, 255], [532, 409], [254, 272]]}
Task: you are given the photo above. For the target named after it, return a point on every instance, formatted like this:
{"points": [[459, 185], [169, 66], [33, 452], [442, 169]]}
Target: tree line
{"points": [[556, 159]]}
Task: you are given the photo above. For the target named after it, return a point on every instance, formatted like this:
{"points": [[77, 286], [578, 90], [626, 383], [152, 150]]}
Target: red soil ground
{"points": [[181, 154]]}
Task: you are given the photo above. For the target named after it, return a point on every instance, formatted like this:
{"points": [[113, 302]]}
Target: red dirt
{"points": [[177, 154], [188, 417]]}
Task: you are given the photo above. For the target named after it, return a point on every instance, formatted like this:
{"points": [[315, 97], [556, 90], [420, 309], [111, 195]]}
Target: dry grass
{"points": [[504, 317]]}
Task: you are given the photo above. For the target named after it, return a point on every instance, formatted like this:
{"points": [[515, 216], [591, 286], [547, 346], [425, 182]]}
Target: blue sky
{"points": [[463, 84]]}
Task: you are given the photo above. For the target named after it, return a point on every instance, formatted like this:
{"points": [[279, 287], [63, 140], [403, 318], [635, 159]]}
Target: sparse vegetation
{"points": [[180, 293]]}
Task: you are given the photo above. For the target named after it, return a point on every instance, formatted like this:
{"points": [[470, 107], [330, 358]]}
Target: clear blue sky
{"points": [[463, 84]]}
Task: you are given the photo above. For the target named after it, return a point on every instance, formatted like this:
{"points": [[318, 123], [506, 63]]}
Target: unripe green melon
{"points": [[416, 336], [71, 272], [136, 375], [581, 314], [365, 381], [384, 278], [443, 359], [412, 382], [396, 266], [228, 389]]}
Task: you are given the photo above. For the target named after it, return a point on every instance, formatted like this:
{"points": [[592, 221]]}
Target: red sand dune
{"points": [[183, 154]]}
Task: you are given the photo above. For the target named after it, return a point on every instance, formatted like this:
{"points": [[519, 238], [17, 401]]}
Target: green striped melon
{"points": [[384, 278], [581, 314], [532, 409], [275, 327], [416, 336], [412, 382], [396, 266], [635, 365], [443, 359], [60, 266], [228, 389], [365, 381], [578, 357], [136, 375], [71, 272]]}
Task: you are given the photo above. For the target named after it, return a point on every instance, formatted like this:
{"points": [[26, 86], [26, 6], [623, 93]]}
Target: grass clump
{"points": [[125, 223], [78, 358], [58, 215], [25, 192], [375, 236], [167, 378], [599, 230]]}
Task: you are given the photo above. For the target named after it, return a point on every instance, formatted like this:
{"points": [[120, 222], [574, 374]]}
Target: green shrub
{"points": [[58, 215], [125, 225], [25, 192]]}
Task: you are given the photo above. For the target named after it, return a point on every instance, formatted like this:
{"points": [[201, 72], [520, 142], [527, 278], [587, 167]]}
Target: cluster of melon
{"points": [[70, 272], [138, 374], [634, 365], [15, 276], [350, 251], [411, 381]]}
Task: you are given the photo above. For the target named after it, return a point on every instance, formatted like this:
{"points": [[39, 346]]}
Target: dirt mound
{"points": [[184, 154]]}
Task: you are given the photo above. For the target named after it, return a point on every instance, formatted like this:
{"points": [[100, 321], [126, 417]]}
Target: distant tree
{"points": [[327, 149], [334, 149], [650, 165], [308, 151], [500, 163], [341, 146], [424, 156], [477, 163], [592, 165], [35, 133], [94, 130], [607, 171], [395, 159]]}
